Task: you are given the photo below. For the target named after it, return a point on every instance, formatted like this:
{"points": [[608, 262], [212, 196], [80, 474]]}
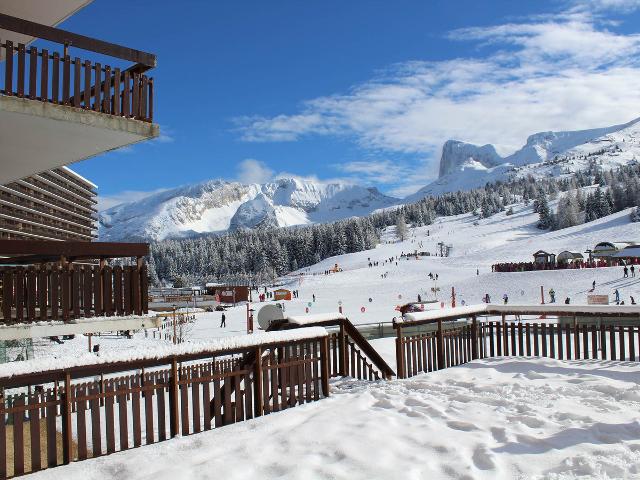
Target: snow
{"points": [[520, 308], [8, 370], [315, 318], [502, 418]]}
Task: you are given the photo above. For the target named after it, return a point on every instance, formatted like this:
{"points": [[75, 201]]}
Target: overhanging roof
{"points": [[33, 251], [45, 12]]}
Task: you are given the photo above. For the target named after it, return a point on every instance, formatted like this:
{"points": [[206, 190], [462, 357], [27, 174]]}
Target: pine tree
{"points": [[401, 228], [546, 219]]}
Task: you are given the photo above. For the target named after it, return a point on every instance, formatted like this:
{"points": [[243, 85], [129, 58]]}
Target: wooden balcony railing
{"points": [[52, 292], [59, 79]]}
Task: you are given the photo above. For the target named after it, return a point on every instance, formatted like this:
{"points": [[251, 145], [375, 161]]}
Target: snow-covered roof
{"points": [[8, 370], [315, 318], [628, 252], [483, 308]]}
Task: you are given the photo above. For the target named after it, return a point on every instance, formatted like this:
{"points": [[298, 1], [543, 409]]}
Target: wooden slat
{"points": [[148, 407], [44, 76], [184, 402], [87, 290], [96, 433], [21, 69], [206, 397], [66, 80], [116, 92], [34, 430], [217, 403], [109, 417], [43, 290], [8, 68], [135, 101], [7, 295], [123, 416], [107, 296], [136, 414], [126, 99], [81, 422], [162, 414], [106, 90], [77, 87], [87, 85], [51, 413], [18, 436], [19, 294], [97, 102], [33, 72], [127, 273], [55, 293], [55, 78]]}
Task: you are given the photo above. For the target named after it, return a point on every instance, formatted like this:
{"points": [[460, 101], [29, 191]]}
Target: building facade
{"points": [[55, 205]]}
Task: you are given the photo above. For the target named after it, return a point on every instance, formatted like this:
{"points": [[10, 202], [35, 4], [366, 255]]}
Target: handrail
{"points": [[350, 330], [37, 30]]}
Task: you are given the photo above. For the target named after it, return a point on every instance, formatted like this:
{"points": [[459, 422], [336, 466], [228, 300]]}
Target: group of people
{"points": [[626, 270], [533, 266]]}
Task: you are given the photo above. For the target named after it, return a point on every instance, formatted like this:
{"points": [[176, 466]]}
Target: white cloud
{"points": [[107, 201], [564, 74], [253, 171]]}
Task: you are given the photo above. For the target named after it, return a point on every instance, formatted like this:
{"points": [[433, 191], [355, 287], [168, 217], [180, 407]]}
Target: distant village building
{"points": [[568, 257], [607, 249], [544, 258]]}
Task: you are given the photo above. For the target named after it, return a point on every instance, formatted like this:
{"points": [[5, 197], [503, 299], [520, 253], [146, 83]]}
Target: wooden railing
{"points": [[350, 353], [59, 79], [52, 292], [143, 402], [448, 346]]}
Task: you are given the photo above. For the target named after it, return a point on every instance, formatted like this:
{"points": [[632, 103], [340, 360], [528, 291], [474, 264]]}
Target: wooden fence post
{"points": [[399, 353], [342, 349], [440, 345], [174, 419], [257, 384], [324, 365], [474, 338], [67, 434]]}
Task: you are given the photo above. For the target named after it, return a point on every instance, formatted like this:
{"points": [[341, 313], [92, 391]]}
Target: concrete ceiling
{"points": [[46, 12], [38, 136]]}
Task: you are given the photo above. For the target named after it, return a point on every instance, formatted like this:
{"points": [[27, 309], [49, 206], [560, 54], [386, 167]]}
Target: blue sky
{"points": [[364, 91]]}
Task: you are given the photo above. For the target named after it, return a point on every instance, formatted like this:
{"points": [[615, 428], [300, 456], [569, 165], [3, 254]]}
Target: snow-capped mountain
{"points": [[219, 206], [464, 166]]}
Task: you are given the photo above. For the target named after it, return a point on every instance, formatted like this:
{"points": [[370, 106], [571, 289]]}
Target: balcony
{"points": [[57, 108], [56, 288]]}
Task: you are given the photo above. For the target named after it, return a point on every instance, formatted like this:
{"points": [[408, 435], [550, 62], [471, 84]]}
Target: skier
{"points": [[505, 297], [593, 285], [617, 294], [314, 298], [419, 298], [552, 294], [223, 321], [633, 271], [626, 272], [633, 300], [477, 271], [567, 301]]}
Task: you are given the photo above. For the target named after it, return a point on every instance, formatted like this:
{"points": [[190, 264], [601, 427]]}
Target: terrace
{"points": [[70, 107]]}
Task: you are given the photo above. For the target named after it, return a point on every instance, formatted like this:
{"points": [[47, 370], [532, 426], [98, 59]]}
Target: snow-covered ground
{"points": [[496, 419]]}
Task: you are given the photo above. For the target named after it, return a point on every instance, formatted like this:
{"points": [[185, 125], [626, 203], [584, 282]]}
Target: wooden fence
{"points": [[51, 292], [62, 80], [350, 354], [59, 416], [449, 346]]}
